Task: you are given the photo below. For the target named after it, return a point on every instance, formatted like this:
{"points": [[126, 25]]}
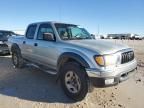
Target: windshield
{"points": [[72, 32], [4, 35]]}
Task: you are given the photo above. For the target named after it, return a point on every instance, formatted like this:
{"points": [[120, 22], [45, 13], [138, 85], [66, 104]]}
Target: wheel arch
{"points": [[70, 56], [15, 47]]}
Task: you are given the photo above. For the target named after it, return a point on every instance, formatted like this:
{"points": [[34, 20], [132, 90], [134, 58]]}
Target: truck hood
{"points": [[100, 46]]}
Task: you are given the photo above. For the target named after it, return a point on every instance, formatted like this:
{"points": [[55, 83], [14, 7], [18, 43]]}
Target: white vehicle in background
{"points": [[138, 37]]}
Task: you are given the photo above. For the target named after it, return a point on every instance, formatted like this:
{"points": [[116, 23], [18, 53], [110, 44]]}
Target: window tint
{"points": [[71, 32], [31, 31], [1, 33], [63, 33], [44, 28]]}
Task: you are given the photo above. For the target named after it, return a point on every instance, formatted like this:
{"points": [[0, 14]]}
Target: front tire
{"points": [[74, 81]]}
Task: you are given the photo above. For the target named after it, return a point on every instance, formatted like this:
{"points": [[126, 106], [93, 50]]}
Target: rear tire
{"points": [[17, 59], [74, 81]]}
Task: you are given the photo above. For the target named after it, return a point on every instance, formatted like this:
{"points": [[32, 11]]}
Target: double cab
{"points": [[70, 53]]}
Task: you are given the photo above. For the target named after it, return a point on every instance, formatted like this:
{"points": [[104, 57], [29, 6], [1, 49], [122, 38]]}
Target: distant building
{"points": [[120, 36]]}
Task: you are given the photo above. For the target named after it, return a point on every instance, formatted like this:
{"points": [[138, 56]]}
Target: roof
{"points": [[5, 31], [53, 22]]}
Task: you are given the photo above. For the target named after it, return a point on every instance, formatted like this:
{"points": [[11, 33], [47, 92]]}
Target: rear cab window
{"points": [[31, 31]]}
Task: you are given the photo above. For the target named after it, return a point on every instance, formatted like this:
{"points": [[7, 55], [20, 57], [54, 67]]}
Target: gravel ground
{"points": [[31, 88]]}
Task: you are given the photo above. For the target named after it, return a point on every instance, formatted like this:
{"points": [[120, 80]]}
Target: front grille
{"points": [[3, 45], [127, 57]]}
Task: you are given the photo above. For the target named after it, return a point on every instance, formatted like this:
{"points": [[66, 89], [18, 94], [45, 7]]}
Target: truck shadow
{"points": [[29, 84]]}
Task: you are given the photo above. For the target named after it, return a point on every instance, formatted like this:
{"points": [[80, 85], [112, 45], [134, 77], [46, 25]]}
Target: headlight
{"points": [[110, 60], [1, 42], [106, 60]]}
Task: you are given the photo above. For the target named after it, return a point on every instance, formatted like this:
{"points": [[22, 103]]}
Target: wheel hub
{"points": [[72, 82]]}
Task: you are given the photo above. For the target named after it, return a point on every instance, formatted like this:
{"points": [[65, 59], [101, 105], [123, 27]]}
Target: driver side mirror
{"points": [[48, 37]]}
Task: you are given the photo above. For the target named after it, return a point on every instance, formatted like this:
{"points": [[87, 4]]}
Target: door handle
{"points": [[35, 44], [24, 42]]}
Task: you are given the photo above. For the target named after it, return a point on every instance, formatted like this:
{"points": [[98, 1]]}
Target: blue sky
{"points": [[112, 16]]}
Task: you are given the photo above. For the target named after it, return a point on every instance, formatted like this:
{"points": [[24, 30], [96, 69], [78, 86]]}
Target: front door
{"points": [[46, 52]]}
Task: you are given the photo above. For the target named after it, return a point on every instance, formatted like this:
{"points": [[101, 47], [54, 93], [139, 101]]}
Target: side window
{"points": [[44, 28], [31, 31], [63, 33]]}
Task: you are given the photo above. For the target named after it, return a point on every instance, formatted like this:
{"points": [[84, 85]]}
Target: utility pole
{"points": [[98, 30]]}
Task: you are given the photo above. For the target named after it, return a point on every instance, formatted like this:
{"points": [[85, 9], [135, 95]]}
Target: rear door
{"points": [[28, 43]]}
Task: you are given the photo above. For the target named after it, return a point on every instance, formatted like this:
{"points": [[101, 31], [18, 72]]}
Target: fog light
{"points": [[109, 81]]}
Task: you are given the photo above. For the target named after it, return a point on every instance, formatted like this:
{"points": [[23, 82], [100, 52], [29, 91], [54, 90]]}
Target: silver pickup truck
{"points": [[70, 53]]}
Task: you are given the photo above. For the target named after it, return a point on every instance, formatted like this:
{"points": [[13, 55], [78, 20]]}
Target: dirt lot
{"points": [[31, 88]]}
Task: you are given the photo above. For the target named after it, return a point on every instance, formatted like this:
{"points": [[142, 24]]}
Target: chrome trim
{"points": [[127, 57], [93, 72], [114, 72]]}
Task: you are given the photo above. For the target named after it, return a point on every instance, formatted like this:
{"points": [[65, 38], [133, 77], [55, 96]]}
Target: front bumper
{"points": [[4, 51], [101, 78]]}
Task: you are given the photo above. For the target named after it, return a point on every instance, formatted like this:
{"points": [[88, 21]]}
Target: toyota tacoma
{"points": [[70, 53]]}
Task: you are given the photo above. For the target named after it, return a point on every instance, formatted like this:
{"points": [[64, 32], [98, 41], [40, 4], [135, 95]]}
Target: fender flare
{"points": [[15, 47], [70, 55]]}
